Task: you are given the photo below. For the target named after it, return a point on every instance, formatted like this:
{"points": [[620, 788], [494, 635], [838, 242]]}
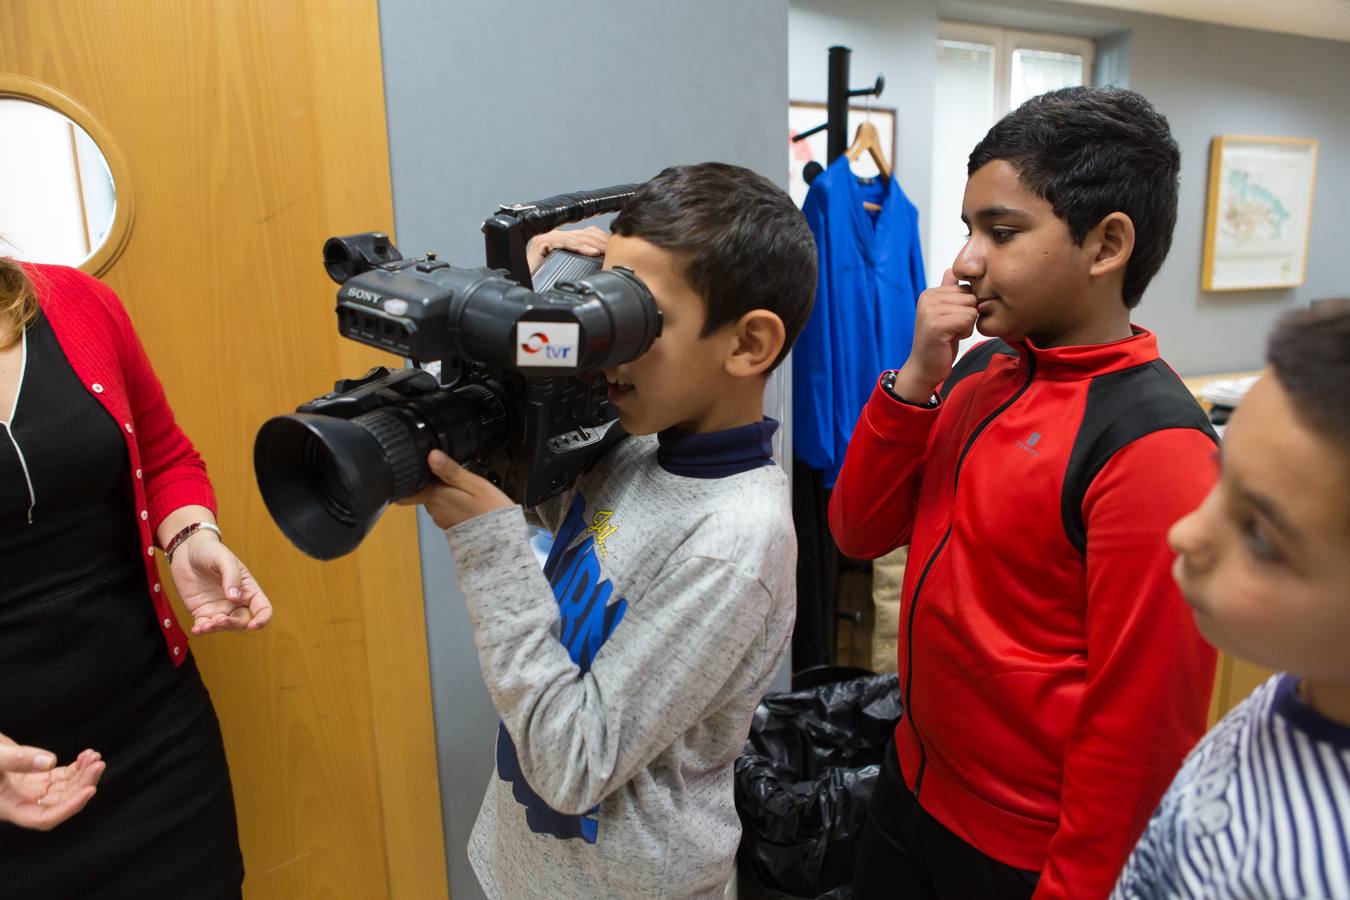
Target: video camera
{"points": [[518, 399]]}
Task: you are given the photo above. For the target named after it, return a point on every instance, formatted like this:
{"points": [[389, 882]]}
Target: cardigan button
{"points": [[175, 651], [168, 622], [156, 587], [150, 551], [96, 387], [138, 473], [144, 515], [128, 427]]}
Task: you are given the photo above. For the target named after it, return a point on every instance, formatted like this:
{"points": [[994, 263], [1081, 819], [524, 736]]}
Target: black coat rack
{"points": [[818, 559], [836, 110]]}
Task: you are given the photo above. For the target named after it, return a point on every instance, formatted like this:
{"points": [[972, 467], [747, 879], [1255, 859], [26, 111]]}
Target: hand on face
{"points": [[944, 316], [1032, 279], [458, 495]]}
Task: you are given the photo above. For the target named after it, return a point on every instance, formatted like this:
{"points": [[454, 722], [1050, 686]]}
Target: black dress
{"points": [[83, 664]]}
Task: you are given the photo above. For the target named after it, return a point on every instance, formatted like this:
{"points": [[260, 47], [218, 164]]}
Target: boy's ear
{"points": [[757, 339], [1112, 244]]}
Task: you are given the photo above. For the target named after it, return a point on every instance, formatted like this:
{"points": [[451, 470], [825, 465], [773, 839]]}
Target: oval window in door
{"points": [[64, 196]]}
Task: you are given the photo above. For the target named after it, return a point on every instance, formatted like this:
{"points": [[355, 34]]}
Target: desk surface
{"points": [[1195, 383]]}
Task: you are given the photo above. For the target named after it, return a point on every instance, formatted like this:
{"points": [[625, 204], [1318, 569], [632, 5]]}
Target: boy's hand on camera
{"points": [[945, 314], [589, 241], [459, 495]]}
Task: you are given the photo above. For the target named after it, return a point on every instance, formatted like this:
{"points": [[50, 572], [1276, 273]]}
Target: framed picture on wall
{"points": [[1260, 209], [804, 115]]}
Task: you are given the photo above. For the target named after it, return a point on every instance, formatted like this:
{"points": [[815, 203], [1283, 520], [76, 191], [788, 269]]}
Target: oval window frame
{"points": [[21, 87]]}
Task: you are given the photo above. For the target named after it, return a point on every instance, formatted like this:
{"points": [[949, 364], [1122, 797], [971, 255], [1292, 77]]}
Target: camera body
{"points": [[519, 397]]}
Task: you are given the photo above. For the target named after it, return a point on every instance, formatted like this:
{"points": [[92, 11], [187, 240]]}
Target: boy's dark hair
{"points": [[1090, 152], [1310, 354], [744, 242]]}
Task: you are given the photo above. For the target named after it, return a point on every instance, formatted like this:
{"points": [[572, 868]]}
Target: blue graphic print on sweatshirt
{"points": [[587, 619]]}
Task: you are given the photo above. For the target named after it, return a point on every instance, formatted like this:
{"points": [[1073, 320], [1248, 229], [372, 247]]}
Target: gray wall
{"points": [[490, 103], [1207, 79]]}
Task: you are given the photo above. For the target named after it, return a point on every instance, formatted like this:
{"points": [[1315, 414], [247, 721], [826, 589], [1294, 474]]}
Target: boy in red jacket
{"points": [[1053, 678]]}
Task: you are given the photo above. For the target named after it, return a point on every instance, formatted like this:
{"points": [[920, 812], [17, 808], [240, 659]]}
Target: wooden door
{"points": [[251, 131]]}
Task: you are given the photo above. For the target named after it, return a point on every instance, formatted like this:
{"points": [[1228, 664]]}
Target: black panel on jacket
{"points": [[974, 362], [1123, 407]]}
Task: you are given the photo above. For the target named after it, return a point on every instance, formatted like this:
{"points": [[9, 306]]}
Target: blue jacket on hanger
{"points": [[870, 277]]}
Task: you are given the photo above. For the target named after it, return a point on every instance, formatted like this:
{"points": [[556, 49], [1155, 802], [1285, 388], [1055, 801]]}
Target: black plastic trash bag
{"points": [[803, 783]]}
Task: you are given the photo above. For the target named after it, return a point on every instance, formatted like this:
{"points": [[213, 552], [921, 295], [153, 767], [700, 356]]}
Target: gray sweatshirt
{"points": [[626, 671]]}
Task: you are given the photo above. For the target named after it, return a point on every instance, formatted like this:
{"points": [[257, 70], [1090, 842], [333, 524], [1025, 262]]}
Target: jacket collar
{"points": [[717, 454], [1090, 360]]}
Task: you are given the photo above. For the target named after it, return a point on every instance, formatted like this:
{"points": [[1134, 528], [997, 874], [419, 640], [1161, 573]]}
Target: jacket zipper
{"points": [[928, 566]]}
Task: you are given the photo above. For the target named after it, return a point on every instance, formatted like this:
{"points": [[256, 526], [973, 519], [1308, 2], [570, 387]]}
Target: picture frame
{"points": [[1259, 212], [806, 114]]}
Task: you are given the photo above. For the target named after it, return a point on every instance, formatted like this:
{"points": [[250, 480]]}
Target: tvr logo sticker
{"points": [[550, 344]]}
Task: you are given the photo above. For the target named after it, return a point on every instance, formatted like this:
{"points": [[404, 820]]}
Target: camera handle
{"points": [[508, 231]]}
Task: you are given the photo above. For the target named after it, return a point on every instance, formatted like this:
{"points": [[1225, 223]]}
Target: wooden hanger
{"points": [[868, 141]]}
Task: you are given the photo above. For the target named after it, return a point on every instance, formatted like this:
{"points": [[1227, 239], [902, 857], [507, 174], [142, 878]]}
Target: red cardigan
{"points": [[1053, 676], [164, 470]]}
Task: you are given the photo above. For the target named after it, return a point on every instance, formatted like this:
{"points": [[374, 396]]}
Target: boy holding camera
{"points": [[1260, 807], [626, 672], [1052, 677]]}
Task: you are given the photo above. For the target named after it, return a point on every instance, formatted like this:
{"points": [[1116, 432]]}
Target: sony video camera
{"points": [[519, 397]]}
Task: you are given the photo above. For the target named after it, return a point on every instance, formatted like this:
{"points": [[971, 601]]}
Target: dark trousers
{"points": [[906, 853]]}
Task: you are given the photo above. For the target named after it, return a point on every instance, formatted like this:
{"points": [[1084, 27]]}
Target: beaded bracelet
{"points": [[186, 533]]}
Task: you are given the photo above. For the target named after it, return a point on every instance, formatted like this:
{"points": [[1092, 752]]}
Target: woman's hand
{"points": [[589, 241], [217, 589], [37, 793]]}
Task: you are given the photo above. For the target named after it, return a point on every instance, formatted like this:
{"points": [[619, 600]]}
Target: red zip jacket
{"points": [[1053, 676]]}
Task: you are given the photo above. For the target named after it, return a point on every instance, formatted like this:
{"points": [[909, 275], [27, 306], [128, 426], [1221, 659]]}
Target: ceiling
{"points": [[1328, 19]]}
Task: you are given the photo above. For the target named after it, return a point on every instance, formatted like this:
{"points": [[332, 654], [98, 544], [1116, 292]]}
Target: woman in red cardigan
{"points": [[95, 478]]}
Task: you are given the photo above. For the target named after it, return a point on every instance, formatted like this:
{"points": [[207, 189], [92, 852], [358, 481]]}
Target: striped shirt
{"points": [[1260, 809]]}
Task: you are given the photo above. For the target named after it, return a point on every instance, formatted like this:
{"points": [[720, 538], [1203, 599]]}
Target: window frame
{"points": [[1006, 41]]}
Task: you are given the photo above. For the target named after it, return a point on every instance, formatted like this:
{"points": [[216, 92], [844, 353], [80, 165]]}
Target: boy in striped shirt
{"points": [[1261, 807]]}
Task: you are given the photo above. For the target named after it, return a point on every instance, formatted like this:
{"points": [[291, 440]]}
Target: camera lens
{"points": [[405, 439], [327, 483], [327, 480]]}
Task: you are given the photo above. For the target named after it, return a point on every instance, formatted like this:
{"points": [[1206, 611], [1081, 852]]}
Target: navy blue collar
{"points": [[1302, 716], [717, 454]]}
